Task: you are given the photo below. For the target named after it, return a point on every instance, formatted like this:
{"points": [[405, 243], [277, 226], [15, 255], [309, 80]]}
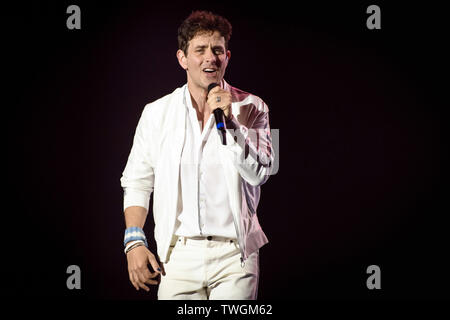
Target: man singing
{"points": [[205, 181]]}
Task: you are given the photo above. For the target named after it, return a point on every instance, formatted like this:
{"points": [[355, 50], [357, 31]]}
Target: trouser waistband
{"points": [[207, 239]]}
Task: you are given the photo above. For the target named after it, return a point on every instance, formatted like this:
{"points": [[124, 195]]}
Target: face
{"points": [[205, 60]]}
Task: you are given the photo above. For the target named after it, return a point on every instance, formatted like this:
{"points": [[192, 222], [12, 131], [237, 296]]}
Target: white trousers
{"points": [[209, 270]]}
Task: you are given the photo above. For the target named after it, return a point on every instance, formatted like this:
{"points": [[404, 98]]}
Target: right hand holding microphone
{"points": [[219, 98]]}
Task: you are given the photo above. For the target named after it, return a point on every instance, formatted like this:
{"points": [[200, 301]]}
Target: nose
{"points": [[210, 56]]}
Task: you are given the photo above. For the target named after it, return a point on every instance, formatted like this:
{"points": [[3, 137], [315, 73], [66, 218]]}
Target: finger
{"points": [[223, 94], [163, 269], [133, 280], [225, 97], [215, 90], [141, 282], [141, 278], [154, 263], [152, 275], [152, 282], [143, 286], [211, 101], [149, 276], [213, 104]]}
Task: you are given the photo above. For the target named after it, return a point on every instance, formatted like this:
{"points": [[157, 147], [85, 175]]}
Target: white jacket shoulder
{"points": [[244, 98], [159, 106]]}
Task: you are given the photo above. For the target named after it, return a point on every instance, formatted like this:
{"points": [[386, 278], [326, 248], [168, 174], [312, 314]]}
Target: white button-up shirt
{"points": [[205, 208], [153, 166]]}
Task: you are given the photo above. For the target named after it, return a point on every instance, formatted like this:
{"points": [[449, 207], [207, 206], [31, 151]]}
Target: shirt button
{"points": [[209, 238]]}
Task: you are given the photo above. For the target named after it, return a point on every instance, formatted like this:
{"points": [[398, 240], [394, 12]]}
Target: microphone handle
{"points": [[218, 115]]}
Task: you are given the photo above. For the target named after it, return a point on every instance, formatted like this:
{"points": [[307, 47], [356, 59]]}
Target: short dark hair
{"points": [[202, 21]]}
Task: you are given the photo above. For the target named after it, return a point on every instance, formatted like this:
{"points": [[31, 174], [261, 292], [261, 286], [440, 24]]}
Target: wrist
{"points": [[134, 234], [132, 245]]}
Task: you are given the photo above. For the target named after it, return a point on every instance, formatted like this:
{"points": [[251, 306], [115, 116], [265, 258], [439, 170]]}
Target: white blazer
{"points": [[154, 162]]}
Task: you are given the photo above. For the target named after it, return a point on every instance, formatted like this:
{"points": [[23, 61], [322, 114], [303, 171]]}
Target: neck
{"points": [[198, 96]]}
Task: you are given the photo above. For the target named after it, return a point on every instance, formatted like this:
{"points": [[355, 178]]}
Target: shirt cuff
{"points": [[134, 197]]}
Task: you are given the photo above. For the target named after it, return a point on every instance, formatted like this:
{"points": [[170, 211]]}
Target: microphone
{"points": [[218, 113]]}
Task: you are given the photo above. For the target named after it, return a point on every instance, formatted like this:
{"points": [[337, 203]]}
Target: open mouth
{"points": [[211, 71]]}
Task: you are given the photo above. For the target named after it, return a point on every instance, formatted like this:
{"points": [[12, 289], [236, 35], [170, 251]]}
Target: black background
{"points": [[360, 118]]}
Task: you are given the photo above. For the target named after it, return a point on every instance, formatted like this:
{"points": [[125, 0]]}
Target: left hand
{"points": [[224, 103]]}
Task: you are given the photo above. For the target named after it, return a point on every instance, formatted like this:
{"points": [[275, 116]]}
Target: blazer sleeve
{"points": [[137, 178], [251, 147]]}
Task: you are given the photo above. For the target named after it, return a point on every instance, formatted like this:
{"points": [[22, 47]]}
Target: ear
{"points": [[182, 59], [227, 58]]}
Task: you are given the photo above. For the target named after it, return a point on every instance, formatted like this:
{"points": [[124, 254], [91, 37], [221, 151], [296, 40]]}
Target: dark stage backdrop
{"points": [[358, 112]]}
